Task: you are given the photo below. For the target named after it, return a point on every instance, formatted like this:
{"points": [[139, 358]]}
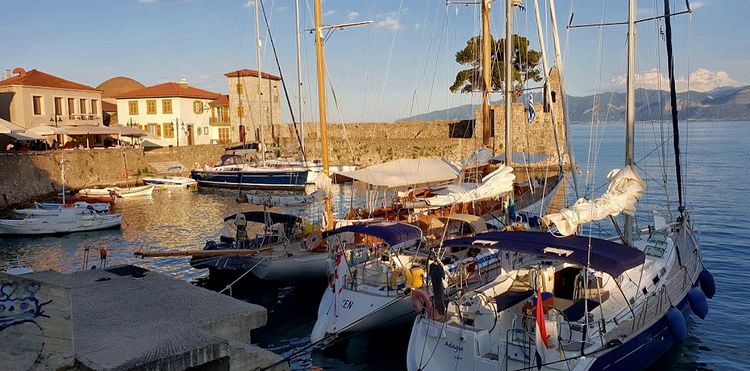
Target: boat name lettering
{"points": [[347, 304], [455, 347]]}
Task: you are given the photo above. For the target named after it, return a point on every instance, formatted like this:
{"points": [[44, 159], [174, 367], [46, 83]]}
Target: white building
{"points": [[175, 113]]}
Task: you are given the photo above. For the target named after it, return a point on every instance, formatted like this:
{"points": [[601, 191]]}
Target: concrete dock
{"points": [[124, 318]]}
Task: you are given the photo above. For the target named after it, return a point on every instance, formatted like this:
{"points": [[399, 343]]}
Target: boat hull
{"points": [[46, 226], [293, 179], [353, 312], [295, 268]]}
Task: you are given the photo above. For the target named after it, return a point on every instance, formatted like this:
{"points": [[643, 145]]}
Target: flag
{"points": [[541, 332], [532, 110]]}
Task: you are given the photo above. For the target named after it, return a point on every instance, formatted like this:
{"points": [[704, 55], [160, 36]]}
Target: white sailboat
{"points": [[68, 220], [130, 192], [570, 302], [171, 182], [51, 209]]}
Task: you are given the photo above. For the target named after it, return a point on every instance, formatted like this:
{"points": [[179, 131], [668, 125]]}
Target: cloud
{"points": [[417, 26], [330, 12], [700, 80], [352, 16], [248, 3], [696, 5], [389, 23], [281, 8]]}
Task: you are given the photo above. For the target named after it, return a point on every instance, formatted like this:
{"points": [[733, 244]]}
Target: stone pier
{"points": [[124, 318]]}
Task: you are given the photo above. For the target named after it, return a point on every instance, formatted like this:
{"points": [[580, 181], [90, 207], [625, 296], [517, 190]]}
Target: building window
{"points": [[168, 130], [240, 111], [223, 135], [133, 107], [239, 89], [58, 106], [71, 106], [37, 103], [151, 107], [94, 106], [166, 106], [197, 106], [82, 104], [199, 130], [154, 129]]}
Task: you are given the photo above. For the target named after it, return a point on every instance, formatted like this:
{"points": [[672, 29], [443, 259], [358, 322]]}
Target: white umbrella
{"points": [[46, 130], [128, 131], [25, 136], [9, 127]]}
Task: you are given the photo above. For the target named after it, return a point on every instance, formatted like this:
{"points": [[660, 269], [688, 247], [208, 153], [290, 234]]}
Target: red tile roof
{"points": [[222, 101], [40, 79], [108, 107], [253, 73], [168, 90]]}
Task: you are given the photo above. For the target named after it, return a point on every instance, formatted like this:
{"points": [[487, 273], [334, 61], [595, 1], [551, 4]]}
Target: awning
{"points": [[404, 172], [88, 130], [46, 130], [260, 217], [606, 256], [24, 136], [9, 127], [129, 131], [391, 232]]}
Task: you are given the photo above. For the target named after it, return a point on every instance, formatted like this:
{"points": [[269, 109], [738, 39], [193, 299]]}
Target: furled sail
{"points": [[495, 184], [625, 189], [402, 173]]}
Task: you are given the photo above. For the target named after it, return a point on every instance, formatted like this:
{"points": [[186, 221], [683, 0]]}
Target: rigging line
{"points": [[283, 82], [623, 23], [673, 103], [370, 60], [388, 64]]}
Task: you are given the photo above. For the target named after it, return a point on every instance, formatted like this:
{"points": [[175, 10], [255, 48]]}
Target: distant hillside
{"points": [[721, 104]]}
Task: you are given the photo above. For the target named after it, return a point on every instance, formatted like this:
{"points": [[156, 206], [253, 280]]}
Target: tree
{"points": [[525, 65]]}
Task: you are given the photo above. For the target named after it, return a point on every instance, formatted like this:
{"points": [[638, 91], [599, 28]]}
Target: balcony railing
{"points": [[218, 120]]}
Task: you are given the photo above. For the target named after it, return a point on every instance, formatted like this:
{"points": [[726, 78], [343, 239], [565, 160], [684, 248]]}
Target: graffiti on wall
{"points": [[19, 304]]}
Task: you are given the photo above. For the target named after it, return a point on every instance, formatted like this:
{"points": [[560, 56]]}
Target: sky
{"points": [[399, 65]]}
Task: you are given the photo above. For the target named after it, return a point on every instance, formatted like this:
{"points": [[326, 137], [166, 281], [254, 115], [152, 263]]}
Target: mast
{"points": [[299, 81], [630, 113], [260, 81], [508, 84], [545, 69], [322, 106], [486, 74], [566, 125], [673, 101]]}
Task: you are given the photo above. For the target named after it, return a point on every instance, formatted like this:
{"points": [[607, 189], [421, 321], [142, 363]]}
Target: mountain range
{"points": [[721, 104]]}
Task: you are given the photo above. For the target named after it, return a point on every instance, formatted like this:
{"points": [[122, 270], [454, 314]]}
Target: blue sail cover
{"points": [[606, 256], [391, 232], [260, 217]]}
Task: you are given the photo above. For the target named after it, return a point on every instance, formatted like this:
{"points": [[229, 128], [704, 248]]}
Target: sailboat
{"points": [[572, 301]]}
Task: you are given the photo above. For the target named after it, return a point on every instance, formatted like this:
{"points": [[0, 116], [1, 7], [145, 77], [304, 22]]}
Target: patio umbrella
{"points": [[46, 130], [9, 127]]}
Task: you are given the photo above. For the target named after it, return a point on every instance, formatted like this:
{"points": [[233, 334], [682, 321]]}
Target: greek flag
{"points": [[532, 111]]}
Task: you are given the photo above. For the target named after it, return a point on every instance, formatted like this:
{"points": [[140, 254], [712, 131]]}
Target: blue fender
{"points": [[706, 279], [677, 325], [698, 302]]}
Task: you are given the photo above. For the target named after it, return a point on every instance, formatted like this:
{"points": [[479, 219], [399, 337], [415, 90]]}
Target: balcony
{"points": [[218, 121]]}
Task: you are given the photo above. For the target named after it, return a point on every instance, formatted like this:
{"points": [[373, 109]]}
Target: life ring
{"points": [[421, 302], [314, 241]]}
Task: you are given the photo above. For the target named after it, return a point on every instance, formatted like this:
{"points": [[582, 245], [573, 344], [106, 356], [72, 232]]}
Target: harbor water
{"points": [[716, 165]]}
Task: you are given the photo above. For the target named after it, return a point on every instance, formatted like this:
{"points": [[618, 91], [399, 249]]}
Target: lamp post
{"points": [[56, 119], [177, 129]]}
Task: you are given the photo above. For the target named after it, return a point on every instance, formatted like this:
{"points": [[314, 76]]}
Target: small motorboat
{"points": [[142, 191], [52, 209], [68, 220], [172, 182]]}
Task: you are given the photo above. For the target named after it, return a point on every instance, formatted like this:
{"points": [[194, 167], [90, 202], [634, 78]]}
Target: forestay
{"points": [[625, 189]]}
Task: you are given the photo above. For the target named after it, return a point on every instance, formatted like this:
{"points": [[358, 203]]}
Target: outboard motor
{"points": [[241, 224]]}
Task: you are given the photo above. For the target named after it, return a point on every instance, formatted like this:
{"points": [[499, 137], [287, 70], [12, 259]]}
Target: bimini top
{"points": [[391, 232], [606, 256], [272, 218]]}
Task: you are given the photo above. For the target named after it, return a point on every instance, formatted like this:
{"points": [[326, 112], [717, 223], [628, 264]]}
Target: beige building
{"points": [[174, 113], [36, 98], [253, 116]]}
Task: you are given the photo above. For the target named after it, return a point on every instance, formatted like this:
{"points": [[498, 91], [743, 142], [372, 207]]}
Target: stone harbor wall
{"points": [[26, 177]]}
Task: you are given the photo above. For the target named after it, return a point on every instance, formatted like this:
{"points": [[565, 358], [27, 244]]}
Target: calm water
{"points": [[716, 189]]}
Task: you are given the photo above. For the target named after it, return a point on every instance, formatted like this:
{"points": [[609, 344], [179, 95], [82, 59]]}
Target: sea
{"points": [[715, 166]]}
